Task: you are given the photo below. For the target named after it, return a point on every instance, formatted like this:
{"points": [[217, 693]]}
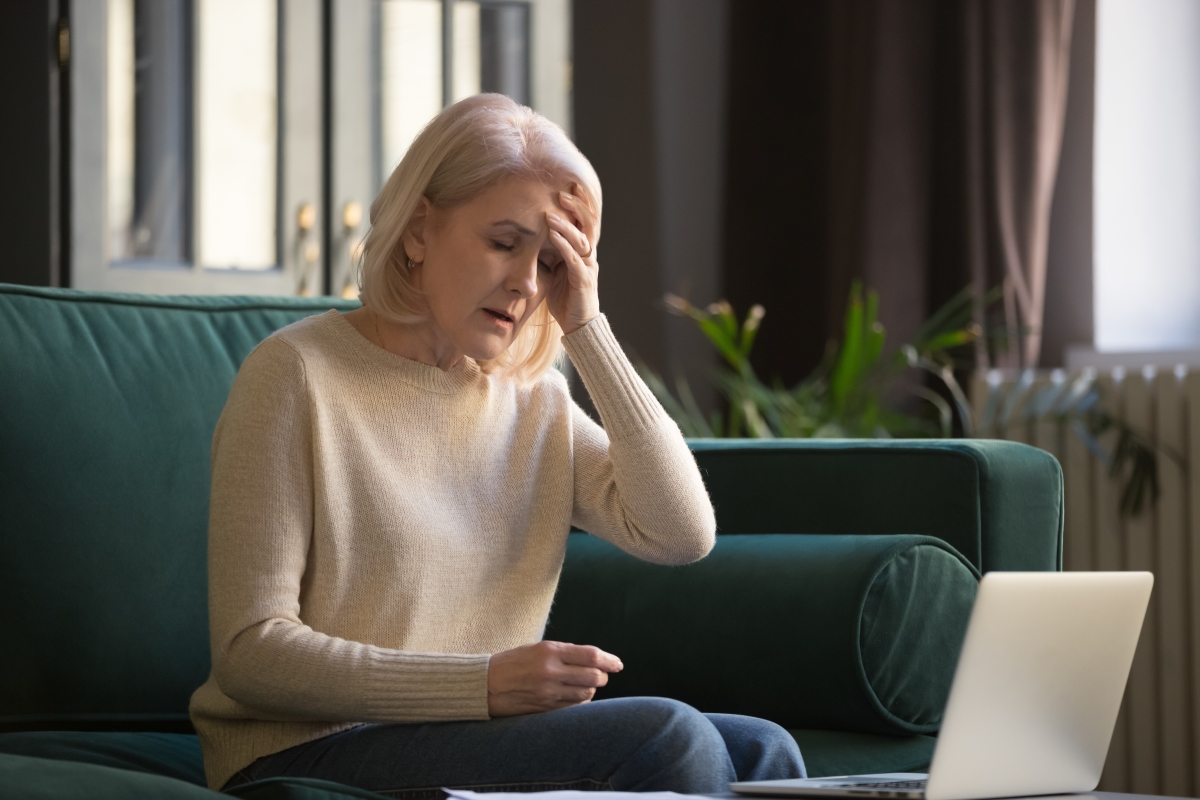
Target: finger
{"points": [[574, 695], [567, 704], [558, 695], [585, 216], [589, 677], [585, 655], [576, 267], [581, 243]]}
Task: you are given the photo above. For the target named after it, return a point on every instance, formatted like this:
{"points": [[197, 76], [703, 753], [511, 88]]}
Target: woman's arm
{"points": [[636, 482], [260, 527]]}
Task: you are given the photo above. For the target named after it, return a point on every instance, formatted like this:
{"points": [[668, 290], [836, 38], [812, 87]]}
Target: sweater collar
{"points": [[425, 376]]}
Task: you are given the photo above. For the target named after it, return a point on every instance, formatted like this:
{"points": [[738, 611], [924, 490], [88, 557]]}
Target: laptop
{"points": [[1035, 694]]}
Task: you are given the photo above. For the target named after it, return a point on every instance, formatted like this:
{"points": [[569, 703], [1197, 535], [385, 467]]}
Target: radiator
{"points": [[1156, 746]]}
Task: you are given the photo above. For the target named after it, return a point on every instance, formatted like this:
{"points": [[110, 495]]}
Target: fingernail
{"points": [[554, 216]]}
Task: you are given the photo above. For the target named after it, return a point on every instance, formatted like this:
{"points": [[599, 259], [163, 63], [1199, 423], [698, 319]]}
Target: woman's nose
{"points": [[523, 280]]}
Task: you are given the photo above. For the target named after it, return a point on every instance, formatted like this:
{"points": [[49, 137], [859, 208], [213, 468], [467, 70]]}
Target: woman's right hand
{"points": [[545, 676]]}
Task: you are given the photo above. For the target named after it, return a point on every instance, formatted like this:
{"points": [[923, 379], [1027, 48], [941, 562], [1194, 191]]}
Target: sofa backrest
{"points": [[107, 409]]}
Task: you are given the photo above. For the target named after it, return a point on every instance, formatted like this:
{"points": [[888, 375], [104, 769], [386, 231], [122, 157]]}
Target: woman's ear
{"points": [[414, 233]]}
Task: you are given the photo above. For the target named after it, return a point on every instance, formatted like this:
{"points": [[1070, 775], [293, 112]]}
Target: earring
{"points": [[411, 265]]}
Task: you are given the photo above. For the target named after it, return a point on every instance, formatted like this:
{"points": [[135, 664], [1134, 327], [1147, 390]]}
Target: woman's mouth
{"points": [[499, 317]]}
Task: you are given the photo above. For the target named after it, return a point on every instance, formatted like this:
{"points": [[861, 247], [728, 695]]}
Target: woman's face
{"points": [[485, 266]]}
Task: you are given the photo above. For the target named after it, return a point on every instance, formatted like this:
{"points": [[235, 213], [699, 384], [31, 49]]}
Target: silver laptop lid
{"points": [[1038, 684]]}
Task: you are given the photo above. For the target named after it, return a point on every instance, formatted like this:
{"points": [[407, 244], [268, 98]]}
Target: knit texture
{"points": [[379, 527]]}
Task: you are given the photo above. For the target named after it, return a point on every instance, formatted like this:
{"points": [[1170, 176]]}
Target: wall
{"points": [[649, 99], [776, 249]]}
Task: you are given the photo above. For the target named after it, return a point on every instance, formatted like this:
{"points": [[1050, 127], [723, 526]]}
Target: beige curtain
{"points": [[1018, 54]]}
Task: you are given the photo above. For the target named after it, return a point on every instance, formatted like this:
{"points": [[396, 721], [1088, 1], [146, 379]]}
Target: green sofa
{"points": [[834, 603]]}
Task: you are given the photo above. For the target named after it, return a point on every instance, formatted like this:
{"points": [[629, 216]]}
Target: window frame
{"points": [[299, 174], [328, 144], [355, 145]]}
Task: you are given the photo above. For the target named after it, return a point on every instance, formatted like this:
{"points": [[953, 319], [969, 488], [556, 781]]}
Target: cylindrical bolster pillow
{"points": [[858, 633]]}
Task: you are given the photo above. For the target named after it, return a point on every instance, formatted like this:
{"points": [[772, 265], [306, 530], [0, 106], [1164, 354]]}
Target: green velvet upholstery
{"points": [[49, 779], [843, 753], [175, 755], [28, 778], [107, 407], [998, 503], [856, 633]]}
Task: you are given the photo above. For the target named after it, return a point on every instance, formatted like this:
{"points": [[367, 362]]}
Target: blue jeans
{"points": [[631, 744]]}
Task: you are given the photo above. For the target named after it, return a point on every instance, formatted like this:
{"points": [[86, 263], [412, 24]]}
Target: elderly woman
{"points": [[392, 490]]}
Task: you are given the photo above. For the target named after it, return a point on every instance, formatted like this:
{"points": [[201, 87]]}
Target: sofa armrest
{"points": [[998, 503], [852, 633]]}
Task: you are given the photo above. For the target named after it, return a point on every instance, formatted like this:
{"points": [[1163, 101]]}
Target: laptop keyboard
{"points": [[886, 785]]}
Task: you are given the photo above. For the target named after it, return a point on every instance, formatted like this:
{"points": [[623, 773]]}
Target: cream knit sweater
{"points": [[379, 527]]}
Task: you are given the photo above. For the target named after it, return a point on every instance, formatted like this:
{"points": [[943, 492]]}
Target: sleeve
{"points": [[636, 482], [260, 527]]}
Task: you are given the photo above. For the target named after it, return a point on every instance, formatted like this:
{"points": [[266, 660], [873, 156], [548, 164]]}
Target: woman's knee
{"points": [[759, 749], [678, 749], [664, 717]]}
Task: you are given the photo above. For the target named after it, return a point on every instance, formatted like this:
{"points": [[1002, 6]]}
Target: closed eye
{"points": [[507, 248]]}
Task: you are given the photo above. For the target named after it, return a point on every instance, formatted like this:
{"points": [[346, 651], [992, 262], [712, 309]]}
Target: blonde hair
{"points": [[462, 152]]}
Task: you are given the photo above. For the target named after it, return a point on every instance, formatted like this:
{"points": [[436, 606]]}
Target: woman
{"points": [[392, 490]]}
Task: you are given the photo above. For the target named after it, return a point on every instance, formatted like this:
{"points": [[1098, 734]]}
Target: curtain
{"points": [[946, 124], [910, 144], [1019, 60]]}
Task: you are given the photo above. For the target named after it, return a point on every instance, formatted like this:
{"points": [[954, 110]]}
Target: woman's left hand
{"points": [[573, 298]]}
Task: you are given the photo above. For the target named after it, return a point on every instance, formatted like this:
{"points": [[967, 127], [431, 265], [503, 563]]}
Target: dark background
{"points": [[741, 145]]}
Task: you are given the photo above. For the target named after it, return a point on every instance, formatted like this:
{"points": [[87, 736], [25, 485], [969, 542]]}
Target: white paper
{"points": [[463, 794]]}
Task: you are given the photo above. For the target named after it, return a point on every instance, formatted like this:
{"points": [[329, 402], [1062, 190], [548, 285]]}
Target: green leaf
{"points": [[691, 426], [875, 338], [722, 341], [845, 373], [944, 341], [699, 423], [955, 314], [750, 329], [945, 415], [874, 335]]}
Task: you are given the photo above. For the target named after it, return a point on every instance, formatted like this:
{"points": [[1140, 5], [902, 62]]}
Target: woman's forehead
{"points": [[518, 202]]}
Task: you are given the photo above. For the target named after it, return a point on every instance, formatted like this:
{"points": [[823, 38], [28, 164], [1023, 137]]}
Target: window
{"points": [[202, 158], [1147, 175], [194, 141], [490, 52], [398, 62], [149, 83]]}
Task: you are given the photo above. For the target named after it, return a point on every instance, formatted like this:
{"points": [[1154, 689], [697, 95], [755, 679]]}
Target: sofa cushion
{"points": [[172, 755], [47, 779], [829, 753], [31, 778], [108, 405], [853, 633]]}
